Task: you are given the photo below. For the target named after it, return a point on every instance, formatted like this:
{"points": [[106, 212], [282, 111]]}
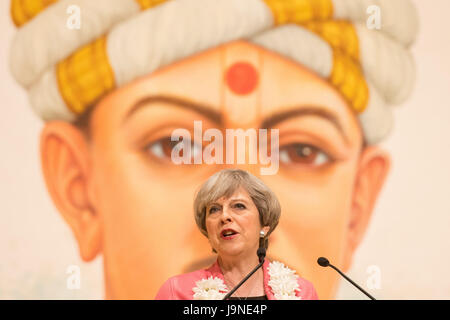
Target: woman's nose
{"points": [[226, 214]]}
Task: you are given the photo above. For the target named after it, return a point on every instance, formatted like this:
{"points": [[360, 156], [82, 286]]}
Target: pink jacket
{"points": [[180, 287]]}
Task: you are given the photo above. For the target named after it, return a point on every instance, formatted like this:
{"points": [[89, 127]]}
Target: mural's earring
{"points": [[262, 234]]}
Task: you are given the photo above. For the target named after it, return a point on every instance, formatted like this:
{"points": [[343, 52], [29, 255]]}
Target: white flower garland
{"points": [[212, 288], [282, 281]]}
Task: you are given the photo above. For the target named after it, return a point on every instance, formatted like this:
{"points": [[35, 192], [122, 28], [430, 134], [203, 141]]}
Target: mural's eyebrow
{"points": [[203, 109], [300, 111]]}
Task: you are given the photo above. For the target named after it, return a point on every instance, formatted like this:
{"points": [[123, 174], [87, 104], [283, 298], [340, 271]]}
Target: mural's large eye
{"points": [[297, 153], [162, 148]]}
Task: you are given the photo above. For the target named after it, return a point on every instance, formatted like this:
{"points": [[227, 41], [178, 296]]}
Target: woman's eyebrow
{"points": [[238, 199], [276, 118], [203, 109], [213, 204]]}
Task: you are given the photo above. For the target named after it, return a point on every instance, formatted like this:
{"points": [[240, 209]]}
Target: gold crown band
{"points": [[316, 15], [346, 75], [348, 78], [341, 35], [85, 76], [300, 11]]}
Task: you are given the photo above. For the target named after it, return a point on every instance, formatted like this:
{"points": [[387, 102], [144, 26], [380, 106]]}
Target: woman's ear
{"points": [[67, 174], [373, 168]]}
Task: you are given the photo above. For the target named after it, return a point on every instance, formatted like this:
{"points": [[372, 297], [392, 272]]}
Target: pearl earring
{"points": [[262, 234]]}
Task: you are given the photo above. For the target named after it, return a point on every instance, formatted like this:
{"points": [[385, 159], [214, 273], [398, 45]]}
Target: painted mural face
{"points": [[136, 204]]}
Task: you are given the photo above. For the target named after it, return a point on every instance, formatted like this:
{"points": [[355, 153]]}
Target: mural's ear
{"points": [[65, 165], [373, 167]]}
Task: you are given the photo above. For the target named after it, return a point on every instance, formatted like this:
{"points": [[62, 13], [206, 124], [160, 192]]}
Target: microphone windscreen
{"points": [[323, 262], [261, 254]]}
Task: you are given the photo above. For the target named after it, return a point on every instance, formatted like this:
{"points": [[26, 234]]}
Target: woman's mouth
{"points": [[228, 234]]}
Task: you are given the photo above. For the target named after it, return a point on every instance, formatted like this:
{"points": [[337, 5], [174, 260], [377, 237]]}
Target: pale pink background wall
{"points": [[408, 238]]}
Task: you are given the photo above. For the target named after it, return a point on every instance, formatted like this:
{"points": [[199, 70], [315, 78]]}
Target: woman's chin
{"points": [[235, 251], [229, 253]]}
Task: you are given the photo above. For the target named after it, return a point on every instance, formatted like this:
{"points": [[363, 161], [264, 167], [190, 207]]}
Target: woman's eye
{"points": [[212, 210], [240, 206], [163, 148], [298, 153]]}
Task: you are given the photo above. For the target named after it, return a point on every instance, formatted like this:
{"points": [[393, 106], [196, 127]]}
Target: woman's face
{"points": [[233, 225], [145, 201]]}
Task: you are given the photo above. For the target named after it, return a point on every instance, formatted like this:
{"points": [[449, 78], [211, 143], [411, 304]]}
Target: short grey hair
{"points": [[224, 184]]}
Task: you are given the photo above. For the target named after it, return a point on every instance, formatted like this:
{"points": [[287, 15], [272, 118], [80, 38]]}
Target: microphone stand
{"points": [[323, 262], [243, 280], [350, 280], [261, 254]]}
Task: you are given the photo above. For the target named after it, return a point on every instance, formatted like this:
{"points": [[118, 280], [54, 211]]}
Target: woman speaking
{"points": [[234, 209]]}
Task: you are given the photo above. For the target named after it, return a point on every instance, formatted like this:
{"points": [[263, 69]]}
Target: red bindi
{"points": [[242, 78]]}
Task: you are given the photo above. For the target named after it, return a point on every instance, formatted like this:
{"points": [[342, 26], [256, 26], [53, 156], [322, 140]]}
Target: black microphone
{"points": [[262, 249], [323, 262], [261, 252]]}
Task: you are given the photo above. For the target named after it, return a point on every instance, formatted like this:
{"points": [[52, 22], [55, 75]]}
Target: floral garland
{"points": [[282, 281], [212, 288]]}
